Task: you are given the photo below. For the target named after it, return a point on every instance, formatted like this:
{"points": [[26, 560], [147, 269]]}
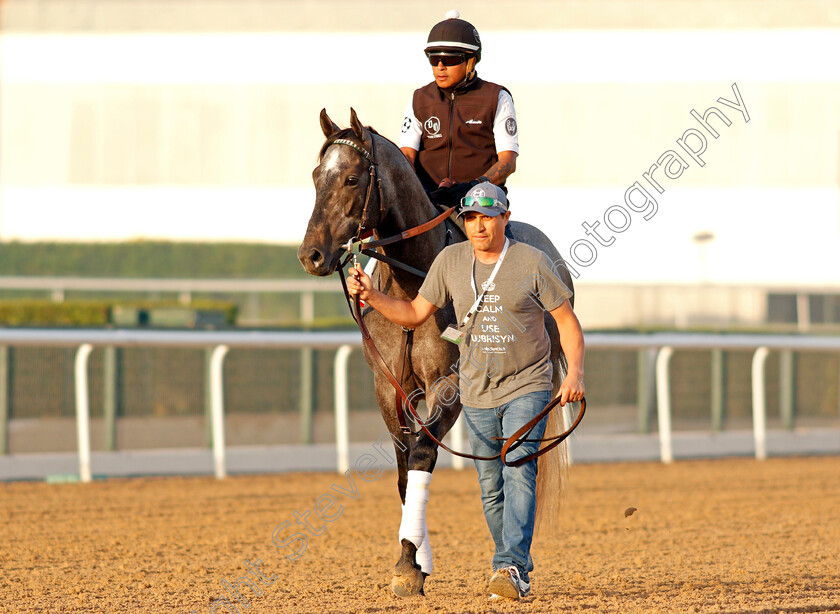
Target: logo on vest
{"points": [[476, 122], [510, 126], [432, 126]]}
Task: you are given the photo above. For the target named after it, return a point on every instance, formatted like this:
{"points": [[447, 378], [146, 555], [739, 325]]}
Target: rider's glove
{"points": [[451, 197]]}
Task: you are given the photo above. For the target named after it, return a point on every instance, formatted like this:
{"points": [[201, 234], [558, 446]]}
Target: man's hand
{"points": [[359, 282], [572, 389]]}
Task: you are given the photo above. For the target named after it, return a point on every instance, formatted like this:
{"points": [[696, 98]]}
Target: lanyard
{"points": [[480, 297]]}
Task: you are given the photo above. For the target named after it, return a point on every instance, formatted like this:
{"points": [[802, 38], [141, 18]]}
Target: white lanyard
{"points": [[480, 297]]}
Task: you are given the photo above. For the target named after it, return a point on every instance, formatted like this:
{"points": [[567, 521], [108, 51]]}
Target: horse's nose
{"points": [[316, 257], [313, 261]]}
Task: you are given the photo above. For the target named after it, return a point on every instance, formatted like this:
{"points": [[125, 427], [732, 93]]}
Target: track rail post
{"points": [[217, 403], [83, 411], [342, 431], [759, 398], [663, 402]]}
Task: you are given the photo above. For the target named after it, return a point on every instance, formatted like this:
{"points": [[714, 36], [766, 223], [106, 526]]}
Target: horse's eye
{"points": [[351, 180]]}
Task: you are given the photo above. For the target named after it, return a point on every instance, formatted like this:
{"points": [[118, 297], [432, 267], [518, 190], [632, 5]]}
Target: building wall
{"points": [[198, 121]]}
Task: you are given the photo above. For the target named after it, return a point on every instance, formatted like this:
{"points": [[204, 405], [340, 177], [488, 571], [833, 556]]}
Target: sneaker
{"points": [[507, 583]]}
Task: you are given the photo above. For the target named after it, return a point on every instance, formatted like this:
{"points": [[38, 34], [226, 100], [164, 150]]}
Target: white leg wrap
{"points": [[413, 525], [424, 552]]}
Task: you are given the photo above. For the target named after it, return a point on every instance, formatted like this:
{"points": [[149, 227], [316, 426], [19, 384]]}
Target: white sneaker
{"points": [[506, 583]]}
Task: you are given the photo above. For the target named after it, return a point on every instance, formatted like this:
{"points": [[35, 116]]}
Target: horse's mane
{"points": [[350, 134]]}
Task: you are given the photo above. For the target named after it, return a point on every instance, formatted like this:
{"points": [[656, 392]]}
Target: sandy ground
{"points": [[708, 536]]}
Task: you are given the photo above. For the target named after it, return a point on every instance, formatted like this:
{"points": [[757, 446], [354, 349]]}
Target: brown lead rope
{"points": [[514, 441]]}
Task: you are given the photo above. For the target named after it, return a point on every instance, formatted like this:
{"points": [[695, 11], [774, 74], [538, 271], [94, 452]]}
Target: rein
{"points": [[355, 246]]}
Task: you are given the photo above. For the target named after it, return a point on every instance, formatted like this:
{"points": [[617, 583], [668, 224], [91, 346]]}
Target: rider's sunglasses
{"points": [[481, 201], [447, 59]]}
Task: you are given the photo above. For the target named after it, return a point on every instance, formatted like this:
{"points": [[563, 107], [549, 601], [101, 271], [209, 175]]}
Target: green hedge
{"points": [[151, 259], [106, 313], [47, 313]]}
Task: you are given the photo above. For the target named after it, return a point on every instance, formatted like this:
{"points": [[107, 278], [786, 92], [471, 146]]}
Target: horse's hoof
{"points": [[408, 584]]}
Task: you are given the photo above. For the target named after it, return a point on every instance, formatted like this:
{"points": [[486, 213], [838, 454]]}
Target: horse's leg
{"points": [[444, 408], [410, 571], [408, 578]]}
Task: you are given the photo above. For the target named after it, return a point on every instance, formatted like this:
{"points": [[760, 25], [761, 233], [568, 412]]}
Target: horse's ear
{"points": [[328, 126], [361, 132]]}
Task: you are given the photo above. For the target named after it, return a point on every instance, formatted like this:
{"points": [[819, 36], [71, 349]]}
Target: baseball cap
{"points": [[485, 198]]}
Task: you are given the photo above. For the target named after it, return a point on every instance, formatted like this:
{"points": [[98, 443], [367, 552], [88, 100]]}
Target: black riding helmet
{"points": [[454, 35]]}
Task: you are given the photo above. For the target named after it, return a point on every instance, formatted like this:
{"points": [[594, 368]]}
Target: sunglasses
{"points": [[481, 201], [447, 59]]}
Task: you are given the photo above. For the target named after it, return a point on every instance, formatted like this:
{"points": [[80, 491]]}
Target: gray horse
{"points": [[342, 181]]}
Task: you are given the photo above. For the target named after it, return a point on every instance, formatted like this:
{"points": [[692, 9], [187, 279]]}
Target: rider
{"points": [[459, 130]]}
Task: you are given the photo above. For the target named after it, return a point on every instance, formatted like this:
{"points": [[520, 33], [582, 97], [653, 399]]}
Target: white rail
{"points": [[83, 411], [217, 404], [759, 402], [663, 398], [342, 411], [221, 341]]}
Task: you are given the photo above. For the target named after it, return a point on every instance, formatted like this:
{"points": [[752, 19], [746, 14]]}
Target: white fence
{"points": [[664, 344]]}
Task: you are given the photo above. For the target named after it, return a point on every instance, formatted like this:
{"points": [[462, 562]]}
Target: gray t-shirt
{"points": [[506, 350]]}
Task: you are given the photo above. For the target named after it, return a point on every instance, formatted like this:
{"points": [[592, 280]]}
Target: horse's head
{"points": [[342, 185]]}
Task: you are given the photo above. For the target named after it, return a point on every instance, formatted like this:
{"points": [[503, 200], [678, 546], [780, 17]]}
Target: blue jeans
{"points": [[508, 494]]}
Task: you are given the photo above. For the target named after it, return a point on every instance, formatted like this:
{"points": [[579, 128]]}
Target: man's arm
{"points": [[496, 174], [410, 314], [571, 338], [504, 168], [410, 154]]}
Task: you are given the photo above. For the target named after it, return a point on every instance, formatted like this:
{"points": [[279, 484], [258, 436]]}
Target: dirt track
{"points": [[708, 536]]}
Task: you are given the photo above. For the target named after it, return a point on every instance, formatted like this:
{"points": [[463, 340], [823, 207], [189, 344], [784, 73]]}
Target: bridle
{"points": [[361, 243], [364, 223]]}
